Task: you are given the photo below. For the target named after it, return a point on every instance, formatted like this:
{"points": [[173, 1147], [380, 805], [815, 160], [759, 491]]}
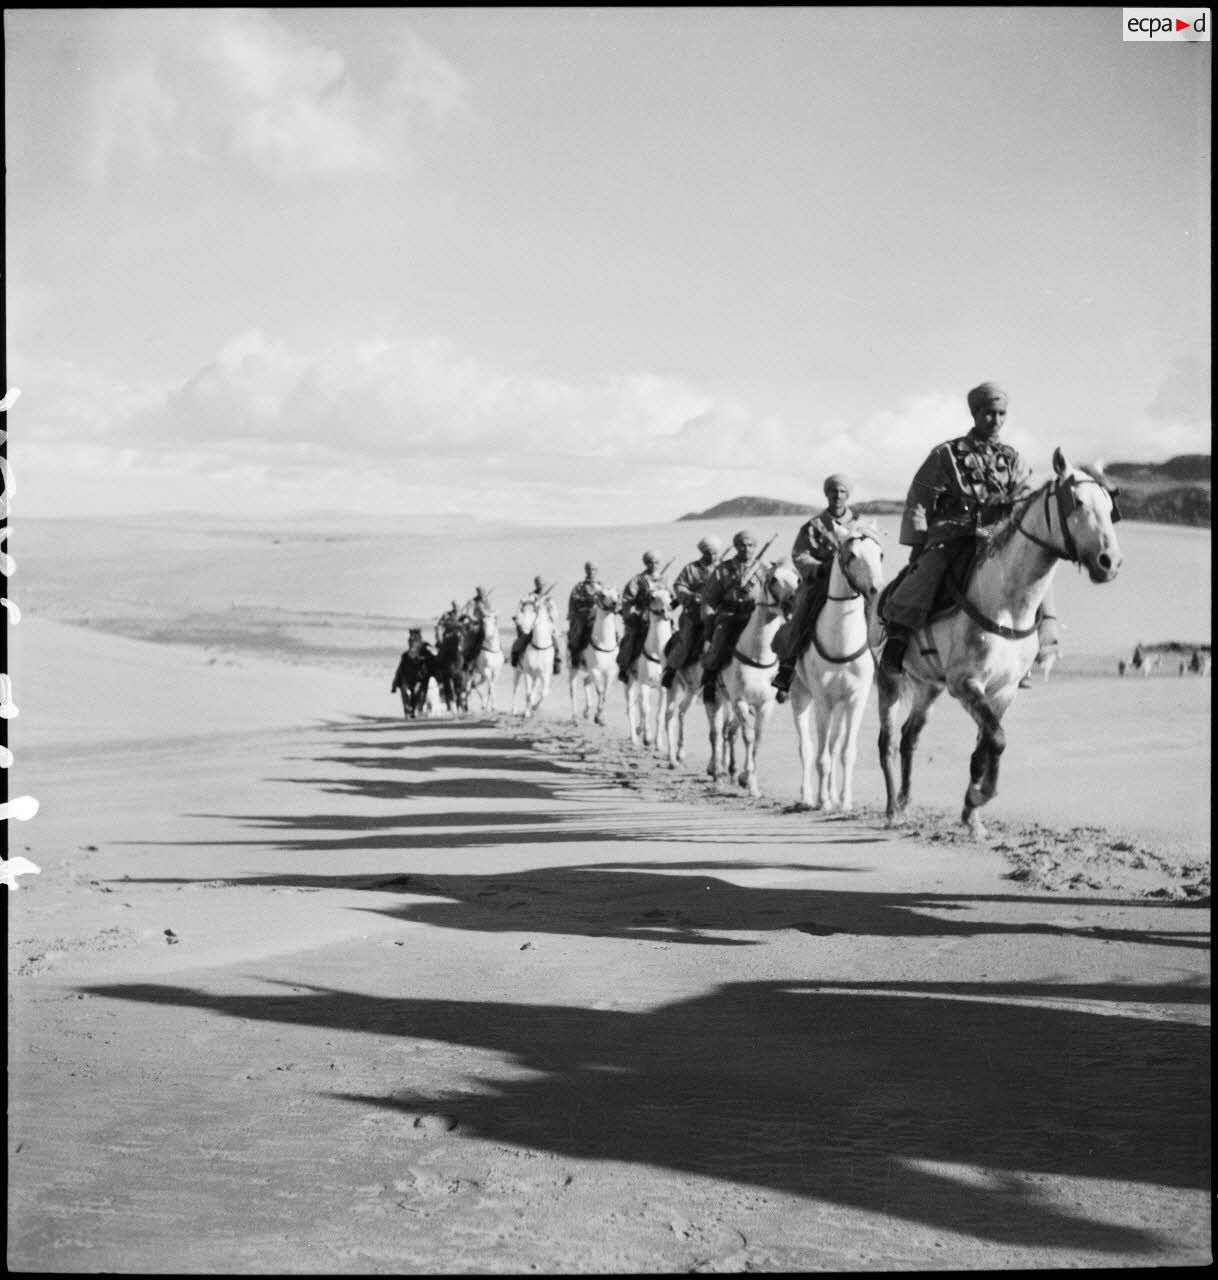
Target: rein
{"points": [[858, 595], [1067, 551]]}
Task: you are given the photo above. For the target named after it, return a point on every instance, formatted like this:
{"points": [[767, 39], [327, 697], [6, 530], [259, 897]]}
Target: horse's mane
{"points": [[1004, 530]]}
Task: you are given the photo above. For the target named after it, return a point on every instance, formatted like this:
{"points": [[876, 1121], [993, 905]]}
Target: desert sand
{"points": [[302, 987]]}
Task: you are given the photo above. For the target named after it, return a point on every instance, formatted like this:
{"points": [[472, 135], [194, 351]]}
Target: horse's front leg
{"points": [[801, 710], [853, 715], [714, 723], [986, 757], [746, 723], [889, 688], [632, 711], [824, 754], [647, 716]]}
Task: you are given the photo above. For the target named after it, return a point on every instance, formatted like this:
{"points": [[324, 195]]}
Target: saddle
{"points": [[957, 574]]}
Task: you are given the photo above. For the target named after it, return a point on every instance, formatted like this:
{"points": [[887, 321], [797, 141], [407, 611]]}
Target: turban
{"points": [[837, 479], [744, 539], [650, 559], [983, 394], [710, 544]]}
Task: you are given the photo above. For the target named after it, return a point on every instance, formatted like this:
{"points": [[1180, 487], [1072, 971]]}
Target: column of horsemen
{"points": [[958, 493]]}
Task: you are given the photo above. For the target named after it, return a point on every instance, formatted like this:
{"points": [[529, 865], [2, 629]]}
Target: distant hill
{"points": [[1173, 492]]}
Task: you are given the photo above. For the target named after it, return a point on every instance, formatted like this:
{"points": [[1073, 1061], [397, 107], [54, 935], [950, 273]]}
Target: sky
{"points": [[588, 266]]}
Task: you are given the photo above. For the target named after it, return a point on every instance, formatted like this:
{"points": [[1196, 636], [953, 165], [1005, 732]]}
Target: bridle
{"points": [[841, 560], [664, 611], [541, 648], [1063, 489], [858, 594]]}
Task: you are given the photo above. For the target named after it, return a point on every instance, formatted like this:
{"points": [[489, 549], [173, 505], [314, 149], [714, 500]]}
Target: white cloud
{"points": [[241, 85], [388, 420]]}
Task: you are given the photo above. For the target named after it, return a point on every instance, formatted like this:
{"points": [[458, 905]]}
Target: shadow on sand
{"points": [[938, 1104]]}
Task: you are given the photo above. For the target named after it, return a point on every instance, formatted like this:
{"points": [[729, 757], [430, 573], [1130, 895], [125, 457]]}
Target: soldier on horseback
{"points": [[581, 606], [635, 596], [449, 620], [813, 551], [539, 599], [480, 605], [964, 485], [733, 588], [687, 590]]}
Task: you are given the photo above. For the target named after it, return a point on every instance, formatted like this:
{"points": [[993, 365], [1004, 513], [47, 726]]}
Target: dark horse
{"points": [[451, 667], [414, 674]]}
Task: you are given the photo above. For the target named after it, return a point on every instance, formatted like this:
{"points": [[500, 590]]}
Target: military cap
{"points": [[983, 393]]}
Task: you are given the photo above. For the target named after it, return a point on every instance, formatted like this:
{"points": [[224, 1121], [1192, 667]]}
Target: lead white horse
{"points": [[596, 665], [644, 693], [536, 664], [487, 663], [980, 651], [834, 675], [745, 695]]}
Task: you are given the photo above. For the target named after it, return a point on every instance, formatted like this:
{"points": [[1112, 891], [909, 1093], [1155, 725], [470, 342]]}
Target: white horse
{"points": [[745, 695], [596, 665], [980, 651], [536, 663], [834, 675], [644, 693], [487, 663]]}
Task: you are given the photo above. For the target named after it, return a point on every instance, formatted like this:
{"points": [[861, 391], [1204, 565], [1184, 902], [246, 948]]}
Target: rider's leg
{"points": [[677, 654], [799, 635], [910, 603]]}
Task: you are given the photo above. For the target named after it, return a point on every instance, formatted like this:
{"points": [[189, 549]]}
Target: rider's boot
{"points": [[710, 679], [782, 681], [670, 674], [893, 656]]}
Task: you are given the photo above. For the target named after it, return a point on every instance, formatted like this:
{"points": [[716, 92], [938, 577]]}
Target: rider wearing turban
{"points": [[538, 598], [956, 494], [636, 595], [733, 588], [686, 644], [581, 604], [813, 550]]}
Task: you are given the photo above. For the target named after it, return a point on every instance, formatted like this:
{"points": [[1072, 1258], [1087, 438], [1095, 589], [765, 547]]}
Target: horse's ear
{"points": [[1060, 465]]}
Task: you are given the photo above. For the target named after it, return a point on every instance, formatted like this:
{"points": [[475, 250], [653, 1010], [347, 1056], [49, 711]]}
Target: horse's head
{"points": [[861, 557], [1087, 510], [490, 623], [607, 599], [780, 584], [525, 615], [659, 601]]}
